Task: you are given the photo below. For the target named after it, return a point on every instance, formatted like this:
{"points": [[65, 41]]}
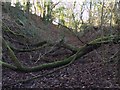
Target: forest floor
{"points": [[90, 70]]}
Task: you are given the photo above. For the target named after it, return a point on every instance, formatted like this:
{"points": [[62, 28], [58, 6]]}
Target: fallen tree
{"points": [[80, 52]]}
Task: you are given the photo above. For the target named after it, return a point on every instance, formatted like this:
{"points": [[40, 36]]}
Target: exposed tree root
{"points": [[16, 41], [13, 57], [38, 44], [43, 44], [27, 50], [81, 51]]}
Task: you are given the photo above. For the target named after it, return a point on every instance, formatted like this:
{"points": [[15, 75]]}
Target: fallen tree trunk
{"points": [[81, 52]]}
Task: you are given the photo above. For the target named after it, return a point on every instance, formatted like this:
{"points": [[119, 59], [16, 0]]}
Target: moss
{"points": [[80, 52]]}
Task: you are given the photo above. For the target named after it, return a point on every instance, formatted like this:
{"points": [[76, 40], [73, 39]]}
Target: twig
{"points": [[51, 50], [113, 56]]}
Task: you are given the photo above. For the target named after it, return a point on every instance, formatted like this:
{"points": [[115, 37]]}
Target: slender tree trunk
{"points": [[111, 18], [102, 20], [90, 14], [81, 14]]}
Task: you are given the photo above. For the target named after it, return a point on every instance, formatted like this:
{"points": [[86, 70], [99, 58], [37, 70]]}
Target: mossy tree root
{"points": [[81, 52], [38, 44], [12, 55], [38, 47], [27, 50], [43, 44]]}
